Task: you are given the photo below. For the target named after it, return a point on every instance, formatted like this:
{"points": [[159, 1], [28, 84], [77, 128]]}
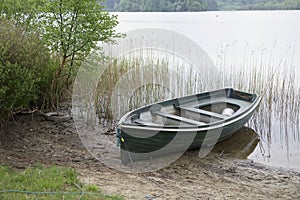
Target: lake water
{"points": [[243, 37]]}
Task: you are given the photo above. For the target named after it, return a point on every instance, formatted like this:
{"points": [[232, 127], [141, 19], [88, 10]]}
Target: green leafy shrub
{"points": [[26, 69]]}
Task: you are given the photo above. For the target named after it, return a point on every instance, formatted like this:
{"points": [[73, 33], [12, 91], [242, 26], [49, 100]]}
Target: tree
{"points": [[135, 7], [212, 5], [291, 4], [20, 12], [72, 29], [197, 5], [124, 6], [109, 4], [152, 5]]}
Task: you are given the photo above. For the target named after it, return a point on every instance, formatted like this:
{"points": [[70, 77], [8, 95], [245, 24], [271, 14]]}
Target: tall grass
{"points": [[273, 76], [123, 76], [138, 79], [275, 80]]}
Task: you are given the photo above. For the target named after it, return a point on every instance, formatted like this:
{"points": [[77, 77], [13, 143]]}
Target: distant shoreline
{"points": [[201, 11], [198, 5], [193, 11]]}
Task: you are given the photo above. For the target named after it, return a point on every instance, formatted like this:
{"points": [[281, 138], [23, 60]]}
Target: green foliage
{"points": [[72, 29], [42, 179], [20, 12], [212, 5], [25, 69], [291, 4], [195, 5], [91, 188], [17, 87], [69, 28], [156, 5], [258, 4]]}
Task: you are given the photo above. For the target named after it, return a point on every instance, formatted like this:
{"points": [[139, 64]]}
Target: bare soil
{"points": [[223, 174]]}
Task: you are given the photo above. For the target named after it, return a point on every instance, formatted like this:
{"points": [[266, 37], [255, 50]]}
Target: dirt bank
{"points": [[31, 139]]}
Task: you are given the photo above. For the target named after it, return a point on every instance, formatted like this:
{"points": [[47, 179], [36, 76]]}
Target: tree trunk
{"points": [[55, 93]]}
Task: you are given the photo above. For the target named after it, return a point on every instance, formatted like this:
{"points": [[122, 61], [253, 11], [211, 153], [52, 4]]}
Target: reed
{"points": [[138, 79], [275, 80]]}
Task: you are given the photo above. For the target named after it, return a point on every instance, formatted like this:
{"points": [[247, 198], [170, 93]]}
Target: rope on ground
{"points": [[53, 193]]}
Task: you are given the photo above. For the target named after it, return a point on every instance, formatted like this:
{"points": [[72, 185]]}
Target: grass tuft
{"points": [[40, 180]]}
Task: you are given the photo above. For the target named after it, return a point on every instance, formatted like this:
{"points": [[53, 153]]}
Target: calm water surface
{"points": [[244, 39]]}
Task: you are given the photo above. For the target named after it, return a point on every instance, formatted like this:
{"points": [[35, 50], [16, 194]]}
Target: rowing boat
{"points": [[183, 123]]}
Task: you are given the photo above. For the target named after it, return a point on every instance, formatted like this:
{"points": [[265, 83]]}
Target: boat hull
{"points": [[144, 140], [146, 148]]}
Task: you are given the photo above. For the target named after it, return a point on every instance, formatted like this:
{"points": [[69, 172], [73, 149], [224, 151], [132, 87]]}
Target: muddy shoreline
{"points": [[223, 174]]}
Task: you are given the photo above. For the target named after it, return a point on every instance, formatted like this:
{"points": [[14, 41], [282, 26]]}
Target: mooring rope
{"points": [[148, 197], [53, 193]]}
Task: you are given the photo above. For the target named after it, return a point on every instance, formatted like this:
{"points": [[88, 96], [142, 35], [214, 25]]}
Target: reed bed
{"points": [[276, 82], [277, 120], [139, 79]]}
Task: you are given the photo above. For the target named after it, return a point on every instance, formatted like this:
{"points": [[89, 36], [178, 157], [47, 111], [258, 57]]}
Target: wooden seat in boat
{"points": [[178, 118], [203, 112]]}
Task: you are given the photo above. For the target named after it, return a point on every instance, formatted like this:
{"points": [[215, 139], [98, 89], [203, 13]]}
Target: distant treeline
{"points": [[198, 5]]}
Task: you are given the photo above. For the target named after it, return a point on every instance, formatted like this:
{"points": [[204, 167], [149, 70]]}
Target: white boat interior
{"points": [[191, 113]]}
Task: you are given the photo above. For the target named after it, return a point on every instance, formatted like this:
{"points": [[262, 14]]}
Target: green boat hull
{"points": [[146, 142]]}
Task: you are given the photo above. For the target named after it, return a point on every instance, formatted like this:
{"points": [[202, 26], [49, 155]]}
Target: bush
{"points": [[25, 69]]}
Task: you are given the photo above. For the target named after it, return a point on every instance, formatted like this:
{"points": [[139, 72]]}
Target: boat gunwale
{"points": [[219, 124], [216, 125]]}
